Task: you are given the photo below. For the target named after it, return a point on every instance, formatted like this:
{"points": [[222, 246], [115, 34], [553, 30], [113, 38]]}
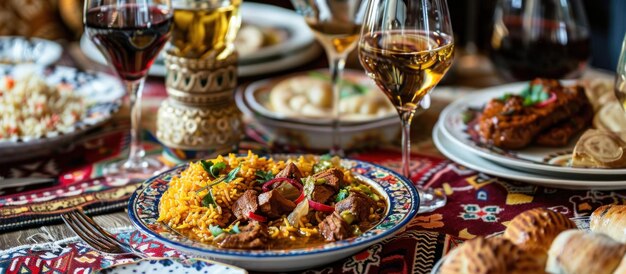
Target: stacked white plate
{"points": [[296, 49], [534, 164]]}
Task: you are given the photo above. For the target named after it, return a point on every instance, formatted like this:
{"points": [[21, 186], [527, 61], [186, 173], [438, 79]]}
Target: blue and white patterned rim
{"points": [[101, 93], [401, 196]]}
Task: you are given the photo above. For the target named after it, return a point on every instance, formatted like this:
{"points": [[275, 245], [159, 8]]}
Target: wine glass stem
{"points": [[136, 147], [336, 62], [406, 116]]}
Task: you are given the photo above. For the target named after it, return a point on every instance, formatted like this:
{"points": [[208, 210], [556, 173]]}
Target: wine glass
{"points": [[407, 46], [130, 34], [620, 77], [336, 25], [533, 38]]}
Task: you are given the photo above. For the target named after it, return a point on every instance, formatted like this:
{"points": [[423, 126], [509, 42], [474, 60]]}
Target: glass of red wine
{"points": [[540, 38], [130, 34]]}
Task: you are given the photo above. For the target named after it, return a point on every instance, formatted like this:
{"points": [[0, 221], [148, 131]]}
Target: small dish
{"points": [[101, 93], [22, 50], [172, 265], [319, 136], [400, 194]]}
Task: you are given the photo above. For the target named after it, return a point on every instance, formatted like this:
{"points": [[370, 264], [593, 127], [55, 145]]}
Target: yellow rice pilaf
{"points": [[181, 205]]}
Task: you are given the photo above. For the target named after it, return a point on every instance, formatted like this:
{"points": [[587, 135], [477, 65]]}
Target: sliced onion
{"points": [[297, 201], [257, 217], [548, 101], [266, 186], [301, 210], [320, 207]]}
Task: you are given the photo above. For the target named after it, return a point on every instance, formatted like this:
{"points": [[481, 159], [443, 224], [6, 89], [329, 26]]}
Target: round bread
{"points": [[599, 149], [610, 220], [535, 229], [610, 117], [493, 255], [575, 251]]}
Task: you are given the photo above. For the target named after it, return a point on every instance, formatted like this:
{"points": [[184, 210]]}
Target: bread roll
{"points": [[610, 117], [493, 255], [599, 149], [610, 220], [535, 229], [575, 251]]}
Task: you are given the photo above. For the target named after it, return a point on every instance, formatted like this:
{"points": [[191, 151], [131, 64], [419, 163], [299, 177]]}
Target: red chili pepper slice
{"points": [[320, 207], [266, 186], [257, 217]]}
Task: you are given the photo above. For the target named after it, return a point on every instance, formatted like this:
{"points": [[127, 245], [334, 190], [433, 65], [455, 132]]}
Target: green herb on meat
{"points": [[343, 193]]}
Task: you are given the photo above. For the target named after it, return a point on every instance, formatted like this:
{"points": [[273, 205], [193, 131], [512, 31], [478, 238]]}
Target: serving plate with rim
{"points": [[534, 159], [101, 93], [460, 155], [402, 203], [295, 49]]}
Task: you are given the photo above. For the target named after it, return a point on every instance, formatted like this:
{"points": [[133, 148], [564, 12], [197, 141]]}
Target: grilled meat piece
{"points": [[332, 177], [560, 134], [252, 236], [334, 228], [274, 205], [321, 193], [290, 171], [245, 204], [509, 124], [358, 204]]}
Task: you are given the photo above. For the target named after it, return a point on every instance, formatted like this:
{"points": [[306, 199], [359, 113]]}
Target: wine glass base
{"points": [[133, 171], [431, 199]]}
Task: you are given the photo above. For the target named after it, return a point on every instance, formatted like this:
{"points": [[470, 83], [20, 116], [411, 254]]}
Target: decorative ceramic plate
{"points": [[461, 155], [535, 159], [18, 49], [101, 93], [296, 49], [172, 265], [402, 202]]}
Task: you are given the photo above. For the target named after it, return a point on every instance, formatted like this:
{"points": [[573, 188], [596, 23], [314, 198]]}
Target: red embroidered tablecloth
{"points": [[478, 204]]}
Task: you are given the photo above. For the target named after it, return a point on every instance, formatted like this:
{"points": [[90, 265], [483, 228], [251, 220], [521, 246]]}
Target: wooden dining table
{"points": [[33, 239]]}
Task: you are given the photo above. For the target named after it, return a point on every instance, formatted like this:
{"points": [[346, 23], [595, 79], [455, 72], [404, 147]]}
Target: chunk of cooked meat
{"points": [[290, 171], [332, 177], [509, 124], [334, 228], [274, 205], [322, 193], [245, 204], [560, 134], [252, 236], [357, 203]]}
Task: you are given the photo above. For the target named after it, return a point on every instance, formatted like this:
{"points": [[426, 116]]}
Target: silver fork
{"points": [[95, 236]]}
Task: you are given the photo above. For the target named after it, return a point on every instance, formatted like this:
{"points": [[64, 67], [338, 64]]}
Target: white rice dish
{"points": [[32, 109]]}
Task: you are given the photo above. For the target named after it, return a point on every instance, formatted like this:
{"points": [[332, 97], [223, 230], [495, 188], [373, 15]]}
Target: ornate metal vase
{"points": [[199, 118]]}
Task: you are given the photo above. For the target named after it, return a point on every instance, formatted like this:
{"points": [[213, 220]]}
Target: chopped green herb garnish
{"points": [[326, 157], [235, 229], [206, 165], [468, 116], [215, 230], [216, 168], [263, 176], [232, 174], [208, 199], [534, 94], [343, 193]]}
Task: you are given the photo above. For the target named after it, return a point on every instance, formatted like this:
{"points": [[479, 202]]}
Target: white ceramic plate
{"points": [[400, 194], [102, 94], [297, 49], [257, 96], [172, 265], [18, 49], [461, 155], [533, 159]]}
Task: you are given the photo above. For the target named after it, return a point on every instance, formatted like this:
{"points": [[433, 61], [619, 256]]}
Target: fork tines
{"points": [[90, 232]]}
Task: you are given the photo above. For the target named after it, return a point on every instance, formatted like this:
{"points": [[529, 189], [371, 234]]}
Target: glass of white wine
{"points": [[406, 47], [620, 77], [336, 24]]}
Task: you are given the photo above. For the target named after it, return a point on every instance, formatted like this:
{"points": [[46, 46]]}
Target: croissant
{"points": [[610, 220], [575, 251], [493, 255], [535, 229]]}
